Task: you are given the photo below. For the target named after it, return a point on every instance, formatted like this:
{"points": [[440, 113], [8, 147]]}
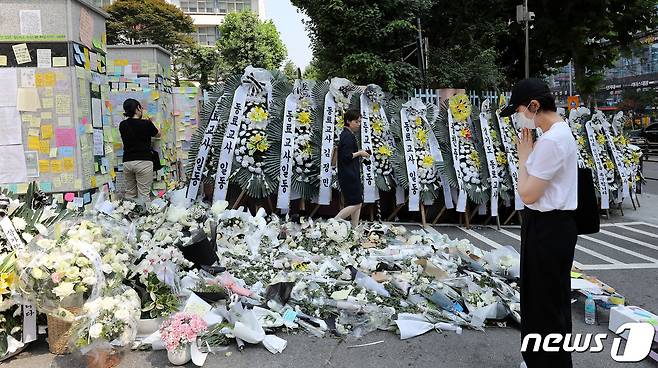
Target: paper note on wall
{"points": [[44, 58], [69, 164], [98, 142], [32, 163], [30, 22], [59, 61], [46, 131], [65, 137], [86, 27], [63, 104], [3, 60], [28, 99], [47, 103], [12, 164], [33, 143], [56, 166], [96, 117], [22, 54], [10, 126], [9, 83], [44, 146], [44, 166], [27, 77]]}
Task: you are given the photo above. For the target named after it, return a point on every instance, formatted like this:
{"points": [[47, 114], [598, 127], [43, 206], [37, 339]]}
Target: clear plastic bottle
{"points": [[590, 310]]}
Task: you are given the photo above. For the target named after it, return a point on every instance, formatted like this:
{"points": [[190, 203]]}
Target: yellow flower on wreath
{"points": [[340, 123], [257, 114], [307, 149], [460, 107], [378, 126], [258, 143], [600, 138], [476, 159], [304, 118], [609, 165], [427, 161], [421, 135], [385, 150], [418, 121], [501, 158], [581, 141]]}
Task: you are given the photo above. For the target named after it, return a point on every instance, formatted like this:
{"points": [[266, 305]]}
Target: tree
{"points": [[290, 70], [463, 38], [364, 41], [591, 33], [246, 40], [200, 63], [148, 21], [311, 71]]}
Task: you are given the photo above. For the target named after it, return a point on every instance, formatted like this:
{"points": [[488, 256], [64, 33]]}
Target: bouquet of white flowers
{"points": [[108, 323], [72, 265]]}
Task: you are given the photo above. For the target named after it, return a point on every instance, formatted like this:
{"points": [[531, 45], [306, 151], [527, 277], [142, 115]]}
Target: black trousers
{"points": [[548, 240]]}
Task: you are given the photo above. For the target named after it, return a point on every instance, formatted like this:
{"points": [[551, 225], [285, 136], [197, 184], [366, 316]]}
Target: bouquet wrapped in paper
{"points": [[70, 266], [108, 324]]}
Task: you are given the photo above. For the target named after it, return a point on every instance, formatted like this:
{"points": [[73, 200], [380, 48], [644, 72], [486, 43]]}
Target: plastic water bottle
{"points": [[590, 310]]}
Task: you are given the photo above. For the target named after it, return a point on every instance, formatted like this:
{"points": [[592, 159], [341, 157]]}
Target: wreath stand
{"points": [[400, 206]]}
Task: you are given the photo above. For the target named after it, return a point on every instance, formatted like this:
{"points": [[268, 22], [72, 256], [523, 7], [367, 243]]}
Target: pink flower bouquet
{"points": [[181, 329]]}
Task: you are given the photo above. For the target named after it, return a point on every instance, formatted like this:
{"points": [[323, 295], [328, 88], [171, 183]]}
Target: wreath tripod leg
{"points": [[422, 215], [397, 209], [237, 201], [438, 216]]}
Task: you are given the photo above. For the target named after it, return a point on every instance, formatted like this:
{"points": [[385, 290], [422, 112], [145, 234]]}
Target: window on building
{"points": [[213, 6], [207, 35], [231, 6]]}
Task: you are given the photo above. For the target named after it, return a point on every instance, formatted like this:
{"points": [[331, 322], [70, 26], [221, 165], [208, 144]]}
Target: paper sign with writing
{"points": [[21, 54]]}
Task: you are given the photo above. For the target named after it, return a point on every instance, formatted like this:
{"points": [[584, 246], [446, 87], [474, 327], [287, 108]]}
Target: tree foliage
{"points": [[637, 101], [148, 21], [592, 33], [363, 40], [246, 40], [200, 63], [290, 71]]}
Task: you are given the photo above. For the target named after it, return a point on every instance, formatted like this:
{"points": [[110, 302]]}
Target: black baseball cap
{"points": [[524, 92]]}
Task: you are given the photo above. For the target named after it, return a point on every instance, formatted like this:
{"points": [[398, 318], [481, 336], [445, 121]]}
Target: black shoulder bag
{"points": [[588, 220]]}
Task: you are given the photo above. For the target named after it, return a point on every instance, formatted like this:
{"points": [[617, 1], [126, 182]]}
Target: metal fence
{"points": [[433, 96]]}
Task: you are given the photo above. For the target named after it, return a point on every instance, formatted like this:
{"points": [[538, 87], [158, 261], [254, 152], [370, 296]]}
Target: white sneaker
{"points": [[523, 365]]}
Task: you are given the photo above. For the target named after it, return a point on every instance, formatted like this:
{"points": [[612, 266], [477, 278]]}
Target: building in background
{"points": [[639, 71], [209, 14]]}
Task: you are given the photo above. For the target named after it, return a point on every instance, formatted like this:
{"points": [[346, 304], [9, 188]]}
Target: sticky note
{"points": [[56, 166], [59, 61], [93, 181], [87, 60], [63, 104], [49, 79], [47, 103], [47, 131], [28, 99], [86, 197], [155, 95], [33, 143], [69, 197], [3, 60], [69, 164], [66, 151], [78, 184], [46, 186], [21, 188], [44, 146], [65, 137], [47, 115], [53, 152], [120, 62], [575, 275], [44, 166], [33, 132]]}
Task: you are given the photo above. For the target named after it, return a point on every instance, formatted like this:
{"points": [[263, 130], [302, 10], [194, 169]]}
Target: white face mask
{"points": [[523, 122]]}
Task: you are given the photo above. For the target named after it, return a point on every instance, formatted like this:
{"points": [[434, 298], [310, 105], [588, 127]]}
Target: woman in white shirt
{"points": [[548, 186]]}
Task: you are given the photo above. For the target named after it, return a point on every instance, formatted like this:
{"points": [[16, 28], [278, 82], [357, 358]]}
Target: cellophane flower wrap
{"points": [[181, 329], [111, 318], [73, 263]]}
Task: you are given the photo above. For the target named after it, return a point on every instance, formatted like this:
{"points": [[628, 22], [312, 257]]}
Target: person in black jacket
{"points": [[349, 168]]}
